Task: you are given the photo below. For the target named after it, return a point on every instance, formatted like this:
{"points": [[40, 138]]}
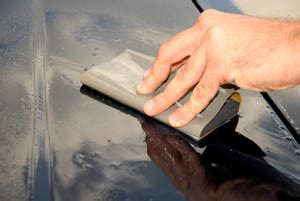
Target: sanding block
{"points": [[119, 78]]}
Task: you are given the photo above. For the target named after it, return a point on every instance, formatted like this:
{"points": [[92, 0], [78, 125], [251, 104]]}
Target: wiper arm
{"points": [[197, 5]]}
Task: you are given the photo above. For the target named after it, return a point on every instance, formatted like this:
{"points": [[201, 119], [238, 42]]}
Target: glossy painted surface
{"points": [[287, 102], [16, 98], [58, 142]]}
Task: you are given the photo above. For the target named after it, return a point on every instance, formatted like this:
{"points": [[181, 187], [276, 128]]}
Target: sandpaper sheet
{"points": [[119, 78]]}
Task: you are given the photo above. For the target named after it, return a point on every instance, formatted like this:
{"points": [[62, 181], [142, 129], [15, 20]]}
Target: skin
{"points": [[252, 53]]}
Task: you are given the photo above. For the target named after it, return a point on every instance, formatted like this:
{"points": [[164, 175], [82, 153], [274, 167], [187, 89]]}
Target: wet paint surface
{"points": [[287, 103], [91, 150], [16, 100]]}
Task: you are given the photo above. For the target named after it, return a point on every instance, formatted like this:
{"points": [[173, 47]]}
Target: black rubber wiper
{"points": [[197, 5]]}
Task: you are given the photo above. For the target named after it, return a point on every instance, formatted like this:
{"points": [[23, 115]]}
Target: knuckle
{"points": [[162, 50], [186, 74], [202, 22], [198, 94], [193, 63], [192, 106], [205, 19], [215, 32], [189, 108], [182, 75], [202, 93], [164, 99], [156, 75], [199, 19], [196, 102], [210, 12]]}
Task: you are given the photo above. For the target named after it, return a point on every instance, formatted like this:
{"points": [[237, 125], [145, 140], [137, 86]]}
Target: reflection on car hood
{"points": [[59, 144]]}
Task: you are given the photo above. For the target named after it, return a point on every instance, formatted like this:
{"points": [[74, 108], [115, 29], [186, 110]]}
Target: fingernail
{"points": [[146, 73], [149, 106], [176, 120]]}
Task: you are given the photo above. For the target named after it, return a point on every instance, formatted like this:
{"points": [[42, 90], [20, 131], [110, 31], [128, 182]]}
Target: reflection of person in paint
{"points": [[190, 173], [252, 53]]}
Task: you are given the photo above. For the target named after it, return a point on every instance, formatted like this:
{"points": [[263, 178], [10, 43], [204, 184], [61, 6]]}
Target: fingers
{"points": [[188, 154], [185, 78], [173, 51], [202, 94], [180, 145]]}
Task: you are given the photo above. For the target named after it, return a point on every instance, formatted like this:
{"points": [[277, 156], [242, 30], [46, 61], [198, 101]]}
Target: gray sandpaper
{"points": [[119, 78]]}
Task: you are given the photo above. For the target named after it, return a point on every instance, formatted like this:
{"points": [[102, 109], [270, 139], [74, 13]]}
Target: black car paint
{"points": [[89, 150]]}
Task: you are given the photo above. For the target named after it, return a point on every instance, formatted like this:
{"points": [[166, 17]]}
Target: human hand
{"points": [[252, 53]]}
